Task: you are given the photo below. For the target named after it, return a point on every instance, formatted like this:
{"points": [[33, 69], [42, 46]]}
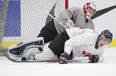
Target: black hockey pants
{"points": [[48, 32]]}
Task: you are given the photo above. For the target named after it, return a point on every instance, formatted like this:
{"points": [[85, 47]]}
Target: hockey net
{"points": [[25, 18]]}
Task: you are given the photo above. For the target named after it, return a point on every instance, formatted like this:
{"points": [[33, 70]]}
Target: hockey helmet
{"points": [[90, 8], [107, 35]]}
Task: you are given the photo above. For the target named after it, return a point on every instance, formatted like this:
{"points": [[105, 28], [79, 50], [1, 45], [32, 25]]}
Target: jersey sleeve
{"points": [[101, 58], [68, 14], [98, 52], [82, 39], [92, 25]]}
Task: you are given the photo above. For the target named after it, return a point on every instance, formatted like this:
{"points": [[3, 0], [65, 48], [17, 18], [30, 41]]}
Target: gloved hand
{"points": [[94, 59], [63, 58], [69, 24]]}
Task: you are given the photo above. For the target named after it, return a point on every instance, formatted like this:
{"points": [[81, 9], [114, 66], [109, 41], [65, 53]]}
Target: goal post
{"points": [[3, 12], [25, 18], [4, 7]]}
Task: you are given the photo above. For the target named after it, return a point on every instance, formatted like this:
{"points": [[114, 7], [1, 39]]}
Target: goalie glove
{"points": [[69, 24], [63, 58]]}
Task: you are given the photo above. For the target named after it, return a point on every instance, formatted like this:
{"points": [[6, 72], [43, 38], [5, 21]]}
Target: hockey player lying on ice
{"points": [[66, 46]]}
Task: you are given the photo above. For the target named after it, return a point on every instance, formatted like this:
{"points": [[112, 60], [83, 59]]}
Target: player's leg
{"points": [[54, 49], [47, 54], [57, 44], [25, 48], [28, 53], [48, 32]]}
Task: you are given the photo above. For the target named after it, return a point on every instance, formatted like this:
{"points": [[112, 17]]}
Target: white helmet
{"points": [[90, 8]]}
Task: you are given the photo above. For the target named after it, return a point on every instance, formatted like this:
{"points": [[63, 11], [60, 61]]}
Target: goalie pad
{"points": [[23, 49]]}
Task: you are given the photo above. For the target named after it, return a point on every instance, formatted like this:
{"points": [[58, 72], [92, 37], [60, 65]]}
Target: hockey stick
{"points": [[77, 60], [56, 20], [49, 61], [70, 24]]}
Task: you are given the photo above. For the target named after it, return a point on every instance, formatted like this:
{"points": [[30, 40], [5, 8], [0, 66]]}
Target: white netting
{"points": [[33, 16]]}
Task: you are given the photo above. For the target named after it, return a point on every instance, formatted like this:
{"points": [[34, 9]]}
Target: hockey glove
{"points": [[94, 59], [69, 24], [63, 58]]}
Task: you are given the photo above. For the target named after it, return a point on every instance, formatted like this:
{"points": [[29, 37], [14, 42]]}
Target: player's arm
{"points": [[82, 39], [96, 58], [101, 58], [76, 41], [95, 55], [92, 25], [67, 15]]}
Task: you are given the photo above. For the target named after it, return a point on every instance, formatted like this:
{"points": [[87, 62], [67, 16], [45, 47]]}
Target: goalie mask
{"points": [[89, 9]]}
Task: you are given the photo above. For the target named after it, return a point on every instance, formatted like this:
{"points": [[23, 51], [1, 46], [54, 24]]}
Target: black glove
{"points": [[63, 58], [94, 59]]}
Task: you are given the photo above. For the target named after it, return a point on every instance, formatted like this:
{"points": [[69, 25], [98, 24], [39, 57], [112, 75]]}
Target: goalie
{"points": [[69, 18], [69, 44]]}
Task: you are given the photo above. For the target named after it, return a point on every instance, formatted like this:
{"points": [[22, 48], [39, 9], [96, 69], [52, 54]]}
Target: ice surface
{"points": [[107, 68]]}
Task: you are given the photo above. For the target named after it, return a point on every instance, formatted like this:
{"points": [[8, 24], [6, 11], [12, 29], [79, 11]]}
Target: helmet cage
{"points": [[89, 6]]}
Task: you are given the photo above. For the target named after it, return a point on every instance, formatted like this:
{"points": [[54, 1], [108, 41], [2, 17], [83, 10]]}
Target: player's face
{"points": [[90, 10], [103, 41], [89, 13]]}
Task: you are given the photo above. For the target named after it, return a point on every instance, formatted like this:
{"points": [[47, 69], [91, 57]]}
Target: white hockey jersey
{"points": [[82, 41]]}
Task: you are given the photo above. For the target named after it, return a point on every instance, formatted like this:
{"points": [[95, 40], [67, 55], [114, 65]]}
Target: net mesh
{"points": [[25, 18]]}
